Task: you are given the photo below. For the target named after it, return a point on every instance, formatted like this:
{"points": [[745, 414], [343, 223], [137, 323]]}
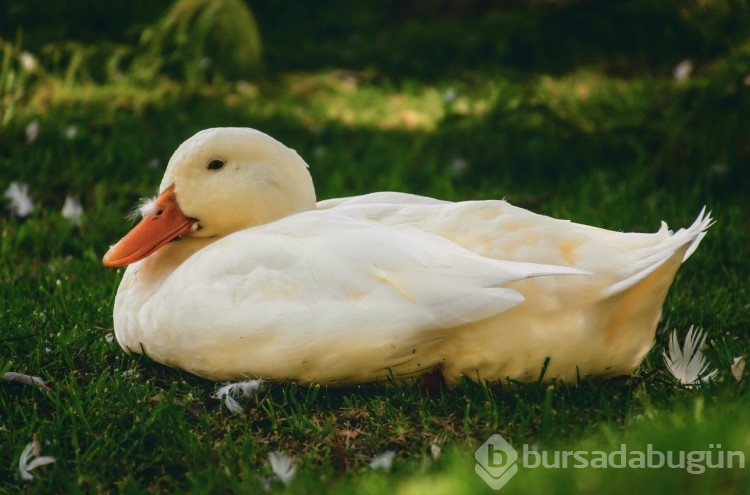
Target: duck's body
{"points": [[265, 283]]}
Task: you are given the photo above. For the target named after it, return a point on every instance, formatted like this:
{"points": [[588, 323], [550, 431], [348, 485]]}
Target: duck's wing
{"points": [[497, 229]]}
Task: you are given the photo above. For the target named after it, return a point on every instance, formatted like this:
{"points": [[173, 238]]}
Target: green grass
{"points": [[595, 133]]}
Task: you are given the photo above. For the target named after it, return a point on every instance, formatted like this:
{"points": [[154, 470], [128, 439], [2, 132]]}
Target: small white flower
{"points": [[282, 466], [71, 132], [20, 202], [688, 364], [383, 461], [72, 210], [31, 459], [32, 131], [240, 390], [28, 62], [738, 368], [109, 338], [682, 71]]}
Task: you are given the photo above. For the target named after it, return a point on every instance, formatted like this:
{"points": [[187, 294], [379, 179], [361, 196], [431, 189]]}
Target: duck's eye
{"points": [[215, 164]]}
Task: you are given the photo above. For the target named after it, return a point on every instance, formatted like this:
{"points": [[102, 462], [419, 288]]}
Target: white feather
{"points": [[282, 466], [383, 461], [231, 392], [688, 364], [145, 206], [30, 460], [21, 204], [72, 210]]}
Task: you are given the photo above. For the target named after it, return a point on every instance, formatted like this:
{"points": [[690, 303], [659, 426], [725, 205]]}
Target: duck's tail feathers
{"points": [[696, 232], [686, 239]]}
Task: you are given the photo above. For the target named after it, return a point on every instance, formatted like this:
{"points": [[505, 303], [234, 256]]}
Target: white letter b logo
{"points": [[496, 461]]}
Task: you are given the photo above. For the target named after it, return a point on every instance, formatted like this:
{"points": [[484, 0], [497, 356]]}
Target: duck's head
{"points": [[217, 182]]}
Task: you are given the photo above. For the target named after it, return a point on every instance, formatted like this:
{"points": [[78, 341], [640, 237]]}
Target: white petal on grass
{"points": [[435, 451], [28, 61], [72, 210], [688, 364], [282, 466], [683, 70], [231, 394], [449, 95], [383, 461], [32, 131], [20, 201], [738, 368], [31, 459], [109, 338], [71, 132]]}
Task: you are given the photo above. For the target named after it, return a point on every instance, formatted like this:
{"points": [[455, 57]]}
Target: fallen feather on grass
{"points": [[229, 394], [688, 364], [20, 201], [72, 210], [435, 451], [32, 131], [12, 376], [738, 368], [682, 71], [71, 132], [28, 62], [383, 461], [31, 459], [282, 466]]}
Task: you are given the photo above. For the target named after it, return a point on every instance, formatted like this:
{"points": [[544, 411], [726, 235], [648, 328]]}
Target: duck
{"points": [[236, 271]]}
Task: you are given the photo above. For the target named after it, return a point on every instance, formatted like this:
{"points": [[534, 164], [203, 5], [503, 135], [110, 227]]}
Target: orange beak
{"points": [[162, 225]]}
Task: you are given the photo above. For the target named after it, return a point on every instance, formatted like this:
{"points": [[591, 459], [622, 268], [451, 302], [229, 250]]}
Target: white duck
{"points": [[265, 283]]}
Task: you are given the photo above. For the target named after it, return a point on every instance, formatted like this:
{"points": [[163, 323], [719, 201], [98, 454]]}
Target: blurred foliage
{"points": [[569, 84], [193, 42], [198, 36]]}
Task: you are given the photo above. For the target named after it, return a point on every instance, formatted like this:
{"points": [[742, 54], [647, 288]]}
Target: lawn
{"points": [[573, 109]]}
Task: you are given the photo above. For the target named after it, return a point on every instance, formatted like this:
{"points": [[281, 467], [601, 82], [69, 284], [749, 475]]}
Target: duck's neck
{"points": [[154, 269]]}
